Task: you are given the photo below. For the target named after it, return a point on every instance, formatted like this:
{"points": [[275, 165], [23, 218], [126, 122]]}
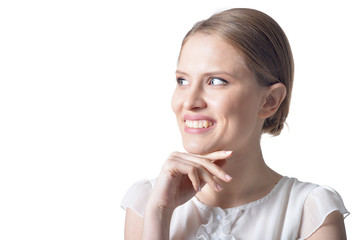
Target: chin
{"points": [[198, 149]]}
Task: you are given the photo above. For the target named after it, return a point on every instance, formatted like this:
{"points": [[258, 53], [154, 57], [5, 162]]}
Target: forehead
{"points": [[205, 52]]}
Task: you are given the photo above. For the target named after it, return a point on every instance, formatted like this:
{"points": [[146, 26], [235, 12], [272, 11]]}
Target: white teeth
{"points": [[199, 124]]}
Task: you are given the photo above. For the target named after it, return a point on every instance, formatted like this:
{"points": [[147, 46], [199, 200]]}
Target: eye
{"points": [[182, 82], [218, 81]]}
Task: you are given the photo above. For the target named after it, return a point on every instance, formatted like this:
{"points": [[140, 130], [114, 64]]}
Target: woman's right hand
{"points": [[183, 175]]}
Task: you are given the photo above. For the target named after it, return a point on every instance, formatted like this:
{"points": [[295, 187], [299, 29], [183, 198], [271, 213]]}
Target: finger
{"points": [[208, 179], [218, 155], [211, 167], [193, 176], [197, 174], [213, 156], [176, 167], [193, 169]]}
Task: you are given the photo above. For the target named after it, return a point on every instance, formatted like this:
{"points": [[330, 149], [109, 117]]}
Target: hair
{"points": [[265, 48]]}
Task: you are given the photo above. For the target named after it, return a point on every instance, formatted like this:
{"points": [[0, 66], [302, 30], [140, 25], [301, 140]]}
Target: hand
{"points": [[183, 175]]}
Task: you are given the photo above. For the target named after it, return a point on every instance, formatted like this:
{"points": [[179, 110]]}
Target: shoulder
{"points": [[322, 206], [310, 194], [295, 191], [309, 207], [137, 196], [296, 186]]}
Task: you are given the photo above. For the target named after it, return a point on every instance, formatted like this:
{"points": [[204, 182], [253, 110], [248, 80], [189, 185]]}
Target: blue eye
{"points": [[218, 81], [182, 82]]}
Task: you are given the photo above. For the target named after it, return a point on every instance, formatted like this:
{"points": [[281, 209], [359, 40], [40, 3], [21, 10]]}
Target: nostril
{"points": [[193, 104]]}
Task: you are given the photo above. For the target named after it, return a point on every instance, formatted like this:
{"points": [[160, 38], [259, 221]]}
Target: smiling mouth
{"points": [[199, 123]]}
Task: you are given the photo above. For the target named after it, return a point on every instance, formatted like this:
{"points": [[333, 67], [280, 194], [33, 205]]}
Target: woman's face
{"points": [[217, 99]]}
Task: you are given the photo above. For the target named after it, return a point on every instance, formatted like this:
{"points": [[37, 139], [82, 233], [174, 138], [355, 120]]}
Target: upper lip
{"points": [[197, 117]]}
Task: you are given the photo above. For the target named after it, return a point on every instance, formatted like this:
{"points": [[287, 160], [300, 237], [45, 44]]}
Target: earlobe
{"points": [[273, 99]]}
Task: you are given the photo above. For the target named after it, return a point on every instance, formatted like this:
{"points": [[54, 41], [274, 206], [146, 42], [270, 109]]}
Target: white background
{"points": [[85, 89]]}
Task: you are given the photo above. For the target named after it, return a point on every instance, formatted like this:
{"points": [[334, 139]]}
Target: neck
{"points": [[252, 180]]}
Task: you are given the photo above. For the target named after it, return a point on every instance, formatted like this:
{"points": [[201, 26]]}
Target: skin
{"points": [[226, 162]]}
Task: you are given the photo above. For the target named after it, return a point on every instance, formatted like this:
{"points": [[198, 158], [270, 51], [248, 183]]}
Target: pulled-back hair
{"points": [[265, 48]]}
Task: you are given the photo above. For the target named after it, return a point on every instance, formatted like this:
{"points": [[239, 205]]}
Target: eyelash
{"points": [[224, 82], [179, 80]]}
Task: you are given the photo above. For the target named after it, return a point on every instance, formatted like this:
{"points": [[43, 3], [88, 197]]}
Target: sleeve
{"points": [[320, 202], [136, 197]]}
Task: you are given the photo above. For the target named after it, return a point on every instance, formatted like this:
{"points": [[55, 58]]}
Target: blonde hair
{"points": [[265, 47]]}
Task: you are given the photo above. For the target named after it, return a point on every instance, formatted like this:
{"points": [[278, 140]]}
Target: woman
{"points": [[234, 81]]}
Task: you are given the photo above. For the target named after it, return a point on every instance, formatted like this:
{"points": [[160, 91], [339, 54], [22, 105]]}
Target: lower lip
{"points": [[197, 130]]}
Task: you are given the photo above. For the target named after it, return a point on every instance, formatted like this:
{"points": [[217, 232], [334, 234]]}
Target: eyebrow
{"points": [[208, 73]]}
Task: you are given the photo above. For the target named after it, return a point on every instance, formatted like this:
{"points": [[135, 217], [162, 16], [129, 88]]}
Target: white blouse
{"points": [[292, 210]]}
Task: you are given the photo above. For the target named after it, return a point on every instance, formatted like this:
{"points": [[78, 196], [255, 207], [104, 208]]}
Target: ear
{"points": [[274, 96]]}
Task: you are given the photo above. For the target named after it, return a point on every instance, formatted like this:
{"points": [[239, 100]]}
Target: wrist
{"points": [[158, 210], [156, 222]]}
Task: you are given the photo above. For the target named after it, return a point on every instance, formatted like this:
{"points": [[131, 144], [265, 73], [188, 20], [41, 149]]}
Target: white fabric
{"points": [[292, 210]]}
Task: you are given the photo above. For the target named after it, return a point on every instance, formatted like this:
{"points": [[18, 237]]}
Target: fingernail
{"points": [[228, 178], [228, 152], [219, 187], [199, 189]]}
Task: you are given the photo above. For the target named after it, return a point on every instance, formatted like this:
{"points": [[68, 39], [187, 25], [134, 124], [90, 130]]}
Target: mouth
{"points": [[199, 124]]}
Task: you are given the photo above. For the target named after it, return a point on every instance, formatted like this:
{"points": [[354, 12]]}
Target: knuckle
{"points": [[193, 170], [204, 161], [213, 182], [220, 171], [173, 154], [169, 164]]}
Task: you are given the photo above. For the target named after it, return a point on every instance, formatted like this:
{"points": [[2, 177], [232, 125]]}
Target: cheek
{"points": [[226, 105], [237, 108]]}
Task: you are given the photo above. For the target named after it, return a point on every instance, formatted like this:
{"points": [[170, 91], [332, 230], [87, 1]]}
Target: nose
{"points": [[194, 99]]}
